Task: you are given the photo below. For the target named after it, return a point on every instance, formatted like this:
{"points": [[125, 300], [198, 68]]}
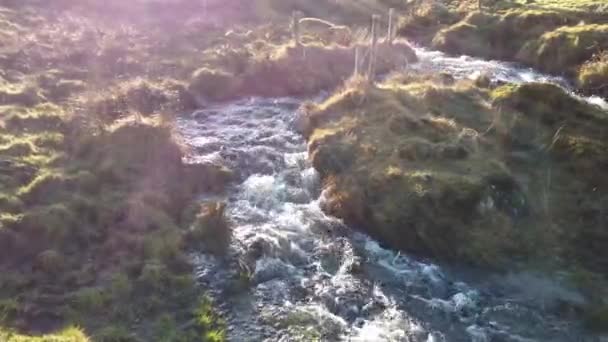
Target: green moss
{"points": [[208, 321], [67, 335]]}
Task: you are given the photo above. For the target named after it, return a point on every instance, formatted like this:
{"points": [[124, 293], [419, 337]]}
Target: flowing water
{"points": [[295, 274]]}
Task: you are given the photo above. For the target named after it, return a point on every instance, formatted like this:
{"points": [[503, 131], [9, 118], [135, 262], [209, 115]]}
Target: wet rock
{"points": [[211, 230], [267, 269]]}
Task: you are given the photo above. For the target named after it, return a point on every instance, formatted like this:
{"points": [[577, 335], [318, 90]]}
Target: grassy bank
{"points": [[98, 207], [96, 201], [500, 177], [558, 37]]}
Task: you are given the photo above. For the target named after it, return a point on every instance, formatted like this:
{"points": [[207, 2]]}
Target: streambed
{"points": [[312, 278]]}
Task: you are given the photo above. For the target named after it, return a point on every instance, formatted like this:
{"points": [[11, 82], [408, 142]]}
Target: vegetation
{"points": [[98, 208], [593, 75], [67, 335], [94, 184], [433, 169], [97, 203], [554, 36]]}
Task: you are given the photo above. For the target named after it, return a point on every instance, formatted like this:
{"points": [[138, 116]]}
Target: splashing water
{"points": [[308, 277]]}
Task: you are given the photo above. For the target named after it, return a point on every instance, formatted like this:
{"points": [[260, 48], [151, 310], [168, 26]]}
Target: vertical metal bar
{"points": [[296, 27], [389, 36], [371, 71], [356, 72]]}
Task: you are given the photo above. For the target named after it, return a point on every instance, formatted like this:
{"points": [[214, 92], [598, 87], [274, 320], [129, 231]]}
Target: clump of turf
{"points": [[117, 202], [593, 75], [210, 229], [289, 70], [214, 84], [433, 169], [565, 48], [499, 36], [66, 335], [140, 97], [552, 40], [424, 20]]}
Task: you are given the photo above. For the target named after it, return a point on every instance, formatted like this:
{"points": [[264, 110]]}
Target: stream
{"points": [[311, 278]]}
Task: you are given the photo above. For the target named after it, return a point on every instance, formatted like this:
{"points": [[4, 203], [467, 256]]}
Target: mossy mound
{"points": [[138, 96], [553, 40], [593, 75], [91, 220], [566, 48], [425, 19], [214, 84], [435, 170], [289, 70], [499, 36]]}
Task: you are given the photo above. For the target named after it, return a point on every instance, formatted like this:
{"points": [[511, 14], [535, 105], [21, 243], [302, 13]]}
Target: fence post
{"points": [[389, 37], [479, 6], [371, 71], [296, 27], [356, 72]]}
